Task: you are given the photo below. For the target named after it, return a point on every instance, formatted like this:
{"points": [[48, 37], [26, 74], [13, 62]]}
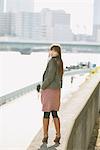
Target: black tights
{"points": [[54, 114]]}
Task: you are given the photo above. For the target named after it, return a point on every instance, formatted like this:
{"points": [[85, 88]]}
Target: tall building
{"points": [[19, 5], [1, 5], [96, 18], [21, 25], [55, 25], [36, 27], [7, 24], [24, 25], [23, 21], [61, 30], [96, 21]]}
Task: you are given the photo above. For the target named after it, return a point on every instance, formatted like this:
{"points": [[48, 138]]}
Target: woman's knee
{"points": [[46, 114], [54, 114]]}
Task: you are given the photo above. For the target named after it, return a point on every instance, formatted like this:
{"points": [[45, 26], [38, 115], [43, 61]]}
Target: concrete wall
{"points": [[82, 130]]}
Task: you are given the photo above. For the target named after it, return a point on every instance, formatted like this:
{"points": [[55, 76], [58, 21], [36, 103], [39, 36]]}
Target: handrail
{"points": [[17, 93]]}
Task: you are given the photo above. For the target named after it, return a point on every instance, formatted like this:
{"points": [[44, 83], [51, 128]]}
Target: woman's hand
{"points": [[41, 90]]}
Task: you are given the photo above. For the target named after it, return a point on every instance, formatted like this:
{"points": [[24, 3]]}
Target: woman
{"points": [[50, 91]]}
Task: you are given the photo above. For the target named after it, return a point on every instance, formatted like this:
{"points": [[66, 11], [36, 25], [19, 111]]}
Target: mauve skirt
{"points": [[50, 99]]}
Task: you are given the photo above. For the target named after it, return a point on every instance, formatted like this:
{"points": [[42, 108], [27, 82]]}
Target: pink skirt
{"points": [[50, 99]]}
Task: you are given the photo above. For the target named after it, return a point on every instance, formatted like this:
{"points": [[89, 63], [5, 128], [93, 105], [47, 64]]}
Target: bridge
{"points": [[78, 114], [27, 47]]}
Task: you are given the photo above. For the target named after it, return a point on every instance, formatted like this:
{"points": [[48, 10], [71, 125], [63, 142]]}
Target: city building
{"points": [[7, 24], [96, 21], [61, 29], [55, 26], [23, 21], [19, 5], [24, 25], [1, 5], [96, 18], [36, 27]]}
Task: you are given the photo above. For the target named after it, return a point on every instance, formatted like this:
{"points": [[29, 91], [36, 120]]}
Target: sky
{"points": [[81, 12]]}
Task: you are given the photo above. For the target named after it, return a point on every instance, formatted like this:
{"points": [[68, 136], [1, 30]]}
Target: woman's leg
{"points": [[57, 125], [46, 126]]}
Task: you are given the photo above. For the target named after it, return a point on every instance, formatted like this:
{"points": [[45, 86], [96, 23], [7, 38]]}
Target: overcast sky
{"points": [[81, 12]]}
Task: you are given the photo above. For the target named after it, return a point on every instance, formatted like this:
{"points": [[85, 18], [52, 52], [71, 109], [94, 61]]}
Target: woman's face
{"points": [[53, 53]]}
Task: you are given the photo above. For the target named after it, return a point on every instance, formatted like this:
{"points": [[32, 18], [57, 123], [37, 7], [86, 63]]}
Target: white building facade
{"points": [[55, 26], [7, 24], [96, 21], [23, 20], [19, 6], [24, 25], [1, 5]]}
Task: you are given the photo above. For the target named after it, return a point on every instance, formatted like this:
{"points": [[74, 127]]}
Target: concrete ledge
{"points": [[78, 117]]}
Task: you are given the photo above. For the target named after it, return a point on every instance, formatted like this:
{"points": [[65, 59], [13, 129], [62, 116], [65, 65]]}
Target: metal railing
{"points": [[17, 93]]}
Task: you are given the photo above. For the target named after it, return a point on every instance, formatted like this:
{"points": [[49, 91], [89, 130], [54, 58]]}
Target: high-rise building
{"points": [[55, 25], [23, 10], [1, 5], [36, 27], [24, 25], [20, 5], [96, 20], [7, 24]]}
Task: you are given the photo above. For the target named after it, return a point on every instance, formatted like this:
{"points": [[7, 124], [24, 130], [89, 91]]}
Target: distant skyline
{"points": [[19, 5], [81, 12]]}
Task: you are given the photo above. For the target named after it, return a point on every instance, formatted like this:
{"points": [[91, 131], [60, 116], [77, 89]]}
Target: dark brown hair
{"points": [[57, 49]]}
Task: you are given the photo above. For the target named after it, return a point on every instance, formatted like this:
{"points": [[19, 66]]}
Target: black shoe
{"points": [[45, 140], [57, 140]]}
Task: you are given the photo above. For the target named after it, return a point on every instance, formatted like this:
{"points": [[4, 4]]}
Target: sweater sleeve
{"points": [[51, 74]]}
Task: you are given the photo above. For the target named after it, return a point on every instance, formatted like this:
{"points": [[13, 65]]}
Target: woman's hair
{"points": [[57, 49]]}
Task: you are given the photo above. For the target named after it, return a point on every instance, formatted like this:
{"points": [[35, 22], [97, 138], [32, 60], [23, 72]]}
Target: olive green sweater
{"points": [[51, 77]]}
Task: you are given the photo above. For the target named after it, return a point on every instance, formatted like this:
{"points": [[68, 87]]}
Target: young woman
{"points": [[50, 91]]}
